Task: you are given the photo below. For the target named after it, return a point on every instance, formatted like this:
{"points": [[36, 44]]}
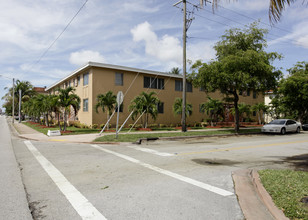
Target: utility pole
{"points": [[19, 109], [184, 68], [13, 101]]}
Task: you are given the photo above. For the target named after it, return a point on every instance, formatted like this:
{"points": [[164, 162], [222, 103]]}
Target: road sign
{"points": [[120, 97]]}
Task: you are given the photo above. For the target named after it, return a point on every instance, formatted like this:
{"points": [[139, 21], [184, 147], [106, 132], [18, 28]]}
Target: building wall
{"points": [[102, 80]]}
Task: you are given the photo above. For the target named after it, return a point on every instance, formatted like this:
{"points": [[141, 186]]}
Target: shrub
{"points": [[203, 124], [162, 125], [138, 126], [153, 126], [197, 124], [102, 126], [171, 126], [95, 126], [61, 123]]}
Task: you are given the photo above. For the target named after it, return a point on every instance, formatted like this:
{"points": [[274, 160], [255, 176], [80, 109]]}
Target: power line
{"points": [[45, 52]]}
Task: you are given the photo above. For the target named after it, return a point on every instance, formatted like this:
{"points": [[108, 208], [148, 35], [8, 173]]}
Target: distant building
{"points": [[40, 90], [98, 78]]}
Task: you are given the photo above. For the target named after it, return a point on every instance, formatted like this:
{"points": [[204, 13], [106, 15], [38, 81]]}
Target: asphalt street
{"points": [[188, 179]]}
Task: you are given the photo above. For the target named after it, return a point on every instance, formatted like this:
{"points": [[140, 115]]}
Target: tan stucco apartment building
{"points": [[98, 78]]}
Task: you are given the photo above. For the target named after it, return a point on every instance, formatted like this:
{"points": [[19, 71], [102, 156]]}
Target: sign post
{"points": [[120, 98]]}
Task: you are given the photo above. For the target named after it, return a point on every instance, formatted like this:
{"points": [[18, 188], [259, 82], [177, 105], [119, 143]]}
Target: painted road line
{"points": [[242, 147], [151, 151], [205, 186], [83, 207]]}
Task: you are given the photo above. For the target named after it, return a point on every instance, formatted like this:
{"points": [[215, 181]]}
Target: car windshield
{"points": [[277, 122]]}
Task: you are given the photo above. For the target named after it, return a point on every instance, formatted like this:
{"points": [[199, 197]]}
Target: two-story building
{"points": [[98, 78]]}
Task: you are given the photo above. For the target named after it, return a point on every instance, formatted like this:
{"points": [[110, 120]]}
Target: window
{"points": [[85, 105], [153, 83], [66, 85], [85, 79], [160, 107], [78, 80], [202, 89], [179, 86], [248, 92], [201, 109], [254, 94], [240, 92], [69, 83], [254, 113], [121, 108], [119, 79]]}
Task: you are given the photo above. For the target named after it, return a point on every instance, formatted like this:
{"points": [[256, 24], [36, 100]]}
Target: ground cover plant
{"points": [[287, 188]]}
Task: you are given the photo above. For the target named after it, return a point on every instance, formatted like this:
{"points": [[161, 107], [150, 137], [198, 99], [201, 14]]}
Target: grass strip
{"points": [[133, 137], [287, 188]]}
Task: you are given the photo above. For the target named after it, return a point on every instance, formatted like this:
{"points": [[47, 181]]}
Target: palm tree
{"points": [[177, 107], [26, 90], [261, 109], [68, 99], [275, 7], [106, 102], [145, 103], [213, 108], [175, 70], [242, 109]]}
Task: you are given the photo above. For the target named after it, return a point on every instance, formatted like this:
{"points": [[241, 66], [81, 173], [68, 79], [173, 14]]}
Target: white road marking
{"points": [[83, 207], [205, 186], [151, 151]]}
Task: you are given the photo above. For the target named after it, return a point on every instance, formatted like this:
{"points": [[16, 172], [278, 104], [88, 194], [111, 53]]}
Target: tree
{"points": [[147, 104], [175, 70], [292, 94], [66, 100], [241, 64], [275, 7], [260, 109], [26, 90], [243, 108], [214, 108], [107, 103], [178, 107]]}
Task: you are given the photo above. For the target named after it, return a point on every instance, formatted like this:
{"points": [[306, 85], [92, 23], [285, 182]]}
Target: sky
{"points": [[42, 41]]}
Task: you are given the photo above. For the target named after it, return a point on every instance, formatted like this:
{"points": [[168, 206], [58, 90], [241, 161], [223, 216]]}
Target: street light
{"points": [[13, 110]]}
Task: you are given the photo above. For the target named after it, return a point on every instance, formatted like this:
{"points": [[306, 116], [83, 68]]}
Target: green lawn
{"points": [[71, 130], [134, 136], [287, 188]]}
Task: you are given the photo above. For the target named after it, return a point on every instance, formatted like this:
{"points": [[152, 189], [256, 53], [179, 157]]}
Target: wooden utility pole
{"points": [[184, 129]]}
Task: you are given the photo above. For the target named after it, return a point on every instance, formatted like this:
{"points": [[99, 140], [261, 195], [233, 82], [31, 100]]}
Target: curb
{"points": [[194, 136], [254, 200]]}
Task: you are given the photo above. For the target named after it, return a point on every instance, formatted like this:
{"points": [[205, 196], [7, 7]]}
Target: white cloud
{"points": [[84, 56], [167, 49], [248, 5]]}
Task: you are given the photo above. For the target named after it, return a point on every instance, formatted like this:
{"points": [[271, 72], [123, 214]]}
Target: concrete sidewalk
{"points": [[13, 200]]}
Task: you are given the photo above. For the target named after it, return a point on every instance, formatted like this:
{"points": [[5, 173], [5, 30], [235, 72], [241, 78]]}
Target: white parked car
{"points": [[282, 126]]}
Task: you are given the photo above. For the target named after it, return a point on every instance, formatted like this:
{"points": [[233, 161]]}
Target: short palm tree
{"points": [[145, 103], [260, 109], [66, 100], [106, 102], [175, 70], [242, 109], [214, 108], [178, 106]]}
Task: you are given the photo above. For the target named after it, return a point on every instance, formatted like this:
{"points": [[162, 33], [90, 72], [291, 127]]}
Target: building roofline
{"points": [[115, 67]]}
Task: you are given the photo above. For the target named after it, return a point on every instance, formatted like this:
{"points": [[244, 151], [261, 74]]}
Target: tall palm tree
{"points": [[145, 103], [26, 90], [68, 99], [106, 102], [177, 107], [214, 108], [261, 109]]}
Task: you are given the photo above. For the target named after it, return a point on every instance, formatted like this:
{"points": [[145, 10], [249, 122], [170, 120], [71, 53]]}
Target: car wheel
{"points": [[298, 130], [283, 131]]}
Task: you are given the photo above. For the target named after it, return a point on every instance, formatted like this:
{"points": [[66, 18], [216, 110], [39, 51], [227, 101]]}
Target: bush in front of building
{"points": [[102, 126], [95, 126]]}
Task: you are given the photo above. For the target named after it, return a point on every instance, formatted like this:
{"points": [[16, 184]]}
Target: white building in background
{"points": [[267, 100]]}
